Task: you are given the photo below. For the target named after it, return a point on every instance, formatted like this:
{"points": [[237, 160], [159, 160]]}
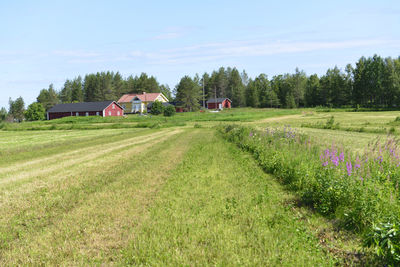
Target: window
{"points": [[118, 113], [109, 113], [87, 114], [113, 106], [77, 114], [97, 113]]}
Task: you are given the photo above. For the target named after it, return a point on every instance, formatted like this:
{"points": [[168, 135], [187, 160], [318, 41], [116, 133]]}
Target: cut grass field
{"points": [[169, 196], [157, 197]]}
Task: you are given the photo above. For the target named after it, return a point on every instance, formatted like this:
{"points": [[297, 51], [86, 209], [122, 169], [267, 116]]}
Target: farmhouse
{"points": [[135, 103], [104, 109], [219, 103]]}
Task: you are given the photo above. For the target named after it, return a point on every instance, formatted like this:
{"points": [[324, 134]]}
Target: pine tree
{"points": [[252, 97], [66, 92], [188, 93], [76, 90], [236, 89]]}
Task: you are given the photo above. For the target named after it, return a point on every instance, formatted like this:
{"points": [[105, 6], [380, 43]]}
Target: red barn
{"points": [[104, 109], [219, 103]]}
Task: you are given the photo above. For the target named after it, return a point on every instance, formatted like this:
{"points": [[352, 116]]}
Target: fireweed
{"points": [[358, 190]]}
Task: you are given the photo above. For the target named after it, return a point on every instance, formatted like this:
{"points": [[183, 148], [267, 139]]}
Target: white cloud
{"points": [[214, 51], [206, 52]]}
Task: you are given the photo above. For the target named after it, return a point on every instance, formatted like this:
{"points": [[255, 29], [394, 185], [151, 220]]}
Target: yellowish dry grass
{"points": [[101, 225], [38, 167]]}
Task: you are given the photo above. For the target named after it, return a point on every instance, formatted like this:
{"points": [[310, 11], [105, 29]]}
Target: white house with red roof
{"points": [[137, 103]]}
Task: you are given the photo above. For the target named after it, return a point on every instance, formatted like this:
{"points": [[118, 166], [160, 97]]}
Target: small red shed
{"points": [[104, 109], [219, 103]]}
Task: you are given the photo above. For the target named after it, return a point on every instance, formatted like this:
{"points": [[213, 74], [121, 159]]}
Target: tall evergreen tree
{"points": [[77, 90], [236, 89], [66, 92], [188, 93], [312, 95], [252, 96]]}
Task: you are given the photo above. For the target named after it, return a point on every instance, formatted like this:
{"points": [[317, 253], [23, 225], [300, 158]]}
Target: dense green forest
{"points": [[372, 82]]}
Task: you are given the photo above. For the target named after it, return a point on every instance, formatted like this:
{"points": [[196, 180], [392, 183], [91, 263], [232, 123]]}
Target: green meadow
{"points": [[195, 189]]}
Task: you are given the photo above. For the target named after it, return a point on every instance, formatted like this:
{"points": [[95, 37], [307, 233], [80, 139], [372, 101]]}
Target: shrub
{"points": [[169, 111], [157, 108], [3, 114], [385, 237], [35, 112], [330, 124]]}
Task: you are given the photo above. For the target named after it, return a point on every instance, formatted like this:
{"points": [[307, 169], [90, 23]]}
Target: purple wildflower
{"points": [[349, 168], [324, 164], [341, 157], [335, 161], [251, 134]]}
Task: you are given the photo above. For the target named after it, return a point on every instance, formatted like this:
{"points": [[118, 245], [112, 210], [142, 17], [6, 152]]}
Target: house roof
{"points": [[143, 97], [81, 107], [126, 98], [217, 100]]}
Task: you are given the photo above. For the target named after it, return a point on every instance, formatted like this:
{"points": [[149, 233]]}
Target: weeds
{"points": [[358, 190]]}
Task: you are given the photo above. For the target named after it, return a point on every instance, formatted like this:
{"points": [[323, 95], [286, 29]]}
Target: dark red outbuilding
{"points": [[219, 103], [104, 109]]}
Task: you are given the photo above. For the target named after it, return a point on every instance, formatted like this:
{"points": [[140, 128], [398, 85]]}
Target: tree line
{"points": [[372, 82], [99, 87]]}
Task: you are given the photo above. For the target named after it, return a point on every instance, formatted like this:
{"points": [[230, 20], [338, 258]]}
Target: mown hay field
{"points": [[176, 195]]}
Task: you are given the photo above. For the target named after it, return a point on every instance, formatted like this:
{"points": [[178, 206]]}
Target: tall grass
{"points": [[359, 191]]}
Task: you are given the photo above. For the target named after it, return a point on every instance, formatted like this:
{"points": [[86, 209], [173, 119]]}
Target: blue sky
{"points": [[43, 42]]}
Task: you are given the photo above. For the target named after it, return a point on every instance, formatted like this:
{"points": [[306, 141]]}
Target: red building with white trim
{"points": [[219, 103], [104, 109]]}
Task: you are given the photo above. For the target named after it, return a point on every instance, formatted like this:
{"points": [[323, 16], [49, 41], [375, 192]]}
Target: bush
{"points": [[169, 111], [157, 108], [3, 114], [385, 237], [35, 112], [330, 124]]}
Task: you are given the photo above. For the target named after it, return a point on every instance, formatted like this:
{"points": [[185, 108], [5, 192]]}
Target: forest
{"points": [[372, 82]]}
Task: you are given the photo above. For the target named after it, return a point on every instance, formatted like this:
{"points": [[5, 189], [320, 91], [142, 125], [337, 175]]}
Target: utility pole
{"points": [[204, 103], [215, 99]]}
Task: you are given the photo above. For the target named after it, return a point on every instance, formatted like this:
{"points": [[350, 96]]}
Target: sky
{"points": [[49, 41]]}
